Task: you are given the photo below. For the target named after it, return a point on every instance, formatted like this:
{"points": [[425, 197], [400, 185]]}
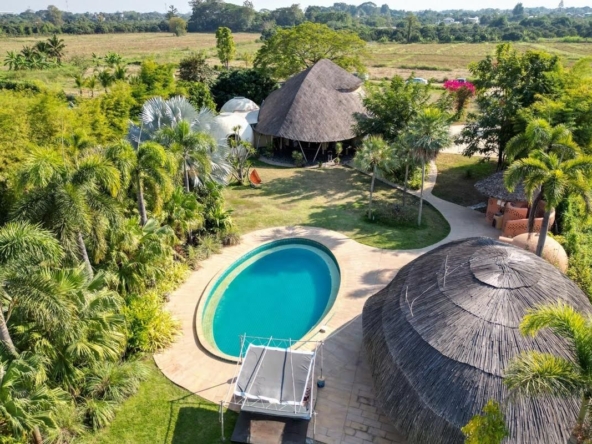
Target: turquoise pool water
{"points": [[280, 290]]}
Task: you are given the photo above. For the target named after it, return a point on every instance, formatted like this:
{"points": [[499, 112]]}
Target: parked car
{"points": [[461, 80], [419, 80]]}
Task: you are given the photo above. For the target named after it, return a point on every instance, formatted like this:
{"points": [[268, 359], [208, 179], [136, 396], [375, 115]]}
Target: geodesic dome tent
{"points": [[239, 104], [224, 126]]}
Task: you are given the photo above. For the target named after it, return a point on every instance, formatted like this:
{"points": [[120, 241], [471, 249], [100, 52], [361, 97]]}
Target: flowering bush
{"points": [[462, 92]]}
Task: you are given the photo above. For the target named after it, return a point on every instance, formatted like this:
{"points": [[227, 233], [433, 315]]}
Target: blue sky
{"points": [[183, 5]]}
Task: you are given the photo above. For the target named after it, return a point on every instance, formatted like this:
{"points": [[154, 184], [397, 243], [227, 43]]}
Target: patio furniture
{"points": [[254, 179], [516, 219]]}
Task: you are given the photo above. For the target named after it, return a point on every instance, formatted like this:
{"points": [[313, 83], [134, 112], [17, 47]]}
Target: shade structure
{"points": [[440, 335], [276, 381], [493, 186], [239, 104], [316, 105]]}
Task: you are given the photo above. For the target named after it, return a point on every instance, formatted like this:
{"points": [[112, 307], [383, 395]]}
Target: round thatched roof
{"points": [[440, 335], [493, 186], [315, 105]]}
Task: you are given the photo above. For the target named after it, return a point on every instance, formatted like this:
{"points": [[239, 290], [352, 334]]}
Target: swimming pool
{"points": [[282, 289]]}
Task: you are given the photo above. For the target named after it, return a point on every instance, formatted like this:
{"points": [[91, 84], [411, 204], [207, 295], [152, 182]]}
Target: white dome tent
{"points": [[240, 105], [224, 124]]}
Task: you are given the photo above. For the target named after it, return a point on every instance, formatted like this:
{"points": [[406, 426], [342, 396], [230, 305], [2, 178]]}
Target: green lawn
{"points": [[332, 198], [164, 413], [457, 175]]}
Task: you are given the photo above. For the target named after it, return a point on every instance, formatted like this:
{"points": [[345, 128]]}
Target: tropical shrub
{"points": [[488, 428], [461, 92], [298, 158]]}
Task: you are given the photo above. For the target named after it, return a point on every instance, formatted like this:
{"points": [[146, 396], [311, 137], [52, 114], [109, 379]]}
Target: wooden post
{"points": [[302, 151]]}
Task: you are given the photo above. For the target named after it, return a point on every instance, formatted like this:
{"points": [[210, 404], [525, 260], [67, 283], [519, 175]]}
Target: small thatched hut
{"points": [[440, 335], [494, 186], [313, 109]]}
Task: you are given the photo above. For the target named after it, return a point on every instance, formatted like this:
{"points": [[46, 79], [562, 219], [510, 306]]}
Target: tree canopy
{"points": [[292, 50]]}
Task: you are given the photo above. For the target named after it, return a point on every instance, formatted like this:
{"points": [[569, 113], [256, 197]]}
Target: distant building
{"points": [[474, 20], [448, 21]]}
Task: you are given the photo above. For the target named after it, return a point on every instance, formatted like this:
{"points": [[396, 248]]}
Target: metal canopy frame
{"points": [[303, 410]]}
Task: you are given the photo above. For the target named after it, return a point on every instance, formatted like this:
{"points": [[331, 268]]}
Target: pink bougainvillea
{"points": [[462, 91], [455, 85]]}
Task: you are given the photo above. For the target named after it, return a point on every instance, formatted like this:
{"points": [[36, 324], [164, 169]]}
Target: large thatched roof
{"points": [[316, 105], [440, 335], [493, 186]]}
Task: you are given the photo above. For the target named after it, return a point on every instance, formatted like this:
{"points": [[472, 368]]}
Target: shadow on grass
{"points": [[196, 422]]}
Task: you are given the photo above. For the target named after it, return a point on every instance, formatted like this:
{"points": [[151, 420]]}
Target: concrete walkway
{"points": [[346, 407]]}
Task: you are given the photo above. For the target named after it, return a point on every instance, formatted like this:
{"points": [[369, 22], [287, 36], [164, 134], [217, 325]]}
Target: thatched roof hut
{"points": [[316, 105], [493, 186], [440, 335]]}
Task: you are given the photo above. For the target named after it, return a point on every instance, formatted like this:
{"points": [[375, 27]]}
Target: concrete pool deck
{"points": [[346, 407]]}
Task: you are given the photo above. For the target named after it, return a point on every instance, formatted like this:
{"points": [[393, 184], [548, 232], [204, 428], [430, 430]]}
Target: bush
{"points": [[195, 68], [298, 158], [150, 327], [396, 215], [230, 237]]}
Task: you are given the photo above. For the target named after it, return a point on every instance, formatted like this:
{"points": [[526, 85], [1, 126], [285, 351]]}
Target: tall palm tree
{"points": [[80, 82], [158, 114], [375, 155], [426, 135], [55, 48], [555, 178], [91, 83], [192, 149], [23, 248], [540, 135], [534, 373], [150, 168], [72, 199]]}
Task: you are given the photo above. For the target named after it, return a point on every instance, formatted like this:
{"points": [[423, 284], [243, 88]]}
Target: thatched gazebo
{"points": [[494, 186], [440, 335], [313, 109]]}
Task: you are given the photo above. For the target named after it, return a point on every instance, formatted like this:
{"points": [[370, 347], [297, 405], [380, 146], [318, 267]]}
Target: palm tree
{"points": [[150, 168], [555, 178], [120, 73], [426, 135], [11, 60], [139, 254], [183, 213], [158, 114], [191, 148], [91, 83], [23, 248], [74, 200], [26, 403], [534, 373], [375, 155], [105, 78], [80, 82], [55, 48], [539, 134]]}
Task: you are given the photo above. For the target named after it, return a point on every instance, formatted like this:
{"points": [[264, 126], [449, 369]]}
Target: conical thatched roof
{"points": [[493, 186], [316, 105], [439, 336]]}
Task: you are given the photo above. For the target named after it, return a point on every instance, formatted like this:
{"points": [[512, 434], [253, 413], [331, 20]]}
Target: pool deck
{"points": [[346, 407]]}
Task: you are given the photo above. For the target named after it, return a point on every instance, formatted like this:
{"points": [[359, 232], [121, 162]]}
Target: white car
{"points": [[419, 80]]}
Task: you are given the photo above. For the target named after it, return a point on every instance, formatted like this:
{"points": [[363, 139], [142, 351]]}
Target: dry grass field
{"points": [[438, 61]]}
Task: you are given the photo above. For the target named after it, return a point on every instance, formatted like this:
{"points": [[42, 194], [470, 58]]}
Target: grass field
{"points": [[332, 198], [383, 60], [457, 175], [164, 413]]}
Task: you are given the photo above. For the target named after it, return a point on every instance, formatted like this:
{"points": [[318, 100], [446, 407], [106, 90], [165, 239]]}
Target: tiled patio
{"points": [[346, 407]]}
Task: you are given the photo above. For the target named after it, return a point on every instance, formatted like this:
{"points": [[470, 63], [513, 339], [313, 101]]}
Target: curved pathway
{"points": [[346, 407]]}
